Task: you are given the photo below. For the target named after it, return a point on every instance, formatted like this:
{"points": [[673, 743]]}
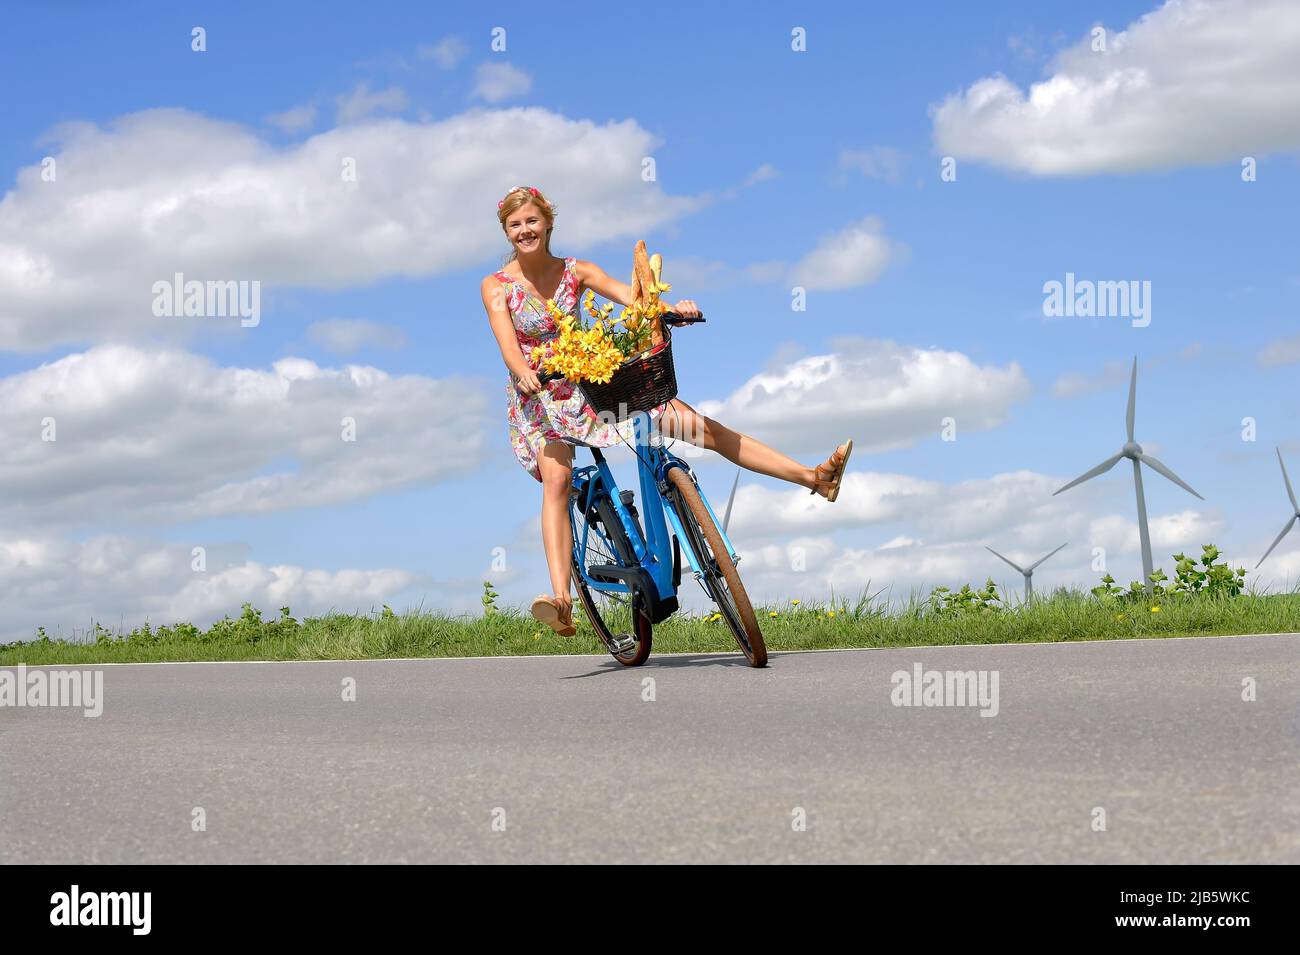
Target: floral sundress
{"points": [[560, 411]]}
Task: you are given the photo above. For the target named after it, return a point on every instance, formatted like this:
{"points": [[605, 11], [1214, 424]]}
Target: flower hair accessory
{"points": [[533, 190]]}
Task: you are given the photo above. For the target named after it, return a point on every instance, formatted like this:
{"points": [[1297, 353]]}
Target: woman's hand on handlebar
{"points": [[687, 308]]}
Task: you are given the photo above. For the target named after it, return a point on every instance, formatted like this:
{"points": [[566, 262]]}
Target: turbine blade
{"points": [[1132, 397], [1041, 559], [1289, 493], [1277, 540], [1011, 562], [1099, 469], [726, 517], [1157, 466]]}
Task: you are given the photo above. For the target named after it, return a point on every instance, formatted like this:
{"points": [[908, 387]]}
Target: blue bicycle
{"points": [[627, 575]]}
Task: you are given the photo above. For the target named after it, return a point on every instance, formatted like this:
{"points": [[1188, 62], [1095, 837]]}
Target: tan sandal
{"points": [[547, 610], [833, 470]]}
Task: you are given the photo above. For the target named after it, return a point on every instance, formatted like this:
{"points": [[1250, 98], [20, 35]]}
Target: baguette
{"points": [[644, 285]]}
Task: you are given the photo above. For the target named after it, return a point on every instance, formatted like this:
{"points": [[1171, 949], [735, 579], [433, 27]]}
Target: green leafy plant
{"points": [[949, 603], [103, 635], [1106, 590], [250, 627], [1217, 580], [489, 598]]}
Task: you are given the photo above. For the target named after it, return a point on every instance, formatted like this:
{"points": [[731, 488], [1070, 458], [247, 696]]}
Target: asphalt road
{"points": [[562, 759]]}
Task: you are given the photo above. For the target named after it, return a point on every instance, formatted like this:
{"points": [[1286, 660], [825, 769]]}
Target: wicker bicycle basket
{"points": [[644, 381]]}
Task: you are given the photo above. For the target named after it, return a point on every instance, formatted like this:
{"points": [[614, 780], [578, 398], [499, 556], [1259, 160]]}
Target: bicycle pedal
{"points": [[623, 642]]}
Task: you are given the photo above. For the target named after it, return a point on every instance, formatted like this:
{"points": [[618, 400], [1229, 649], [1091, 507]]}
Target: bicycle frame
{"points": [[658, 561]]}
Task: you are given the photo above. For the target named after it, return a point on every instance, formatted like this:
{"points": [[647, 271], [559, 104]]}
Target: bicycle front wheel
{"points": [[721, 580]]}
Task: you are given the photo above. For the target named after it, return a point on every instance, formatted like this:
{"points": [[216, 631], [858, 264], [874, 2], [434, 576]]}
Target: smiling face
{"points": [[527, 229]]}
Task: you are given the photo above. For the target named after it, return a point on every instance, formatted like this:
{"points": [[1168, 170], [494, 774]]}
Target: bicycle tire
{"points": [[612, 547], [719, 568]]}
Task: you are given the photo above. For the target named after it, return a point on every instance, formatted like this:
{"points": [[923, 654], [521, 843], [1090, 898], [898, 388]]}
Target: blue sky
{"points": [[1126, 165]]}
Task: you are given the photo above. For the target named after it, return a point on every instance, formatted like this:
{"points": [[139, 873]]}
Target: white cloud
{"points": [[1280, 573], [151, 434], [1116, 373], [361, 102], [166, 191], [1189, 83], [810, 564], [855, 255], [1284, 351], [1075, 384], [889, 573], [64, 585], [866, 498], [298, 119], [690, 274], [881, 394], [877, 162], [936, 532], [1169, 532], [495, 82], [764, 173], [1016, 504], [447, 52], [345, 336]]}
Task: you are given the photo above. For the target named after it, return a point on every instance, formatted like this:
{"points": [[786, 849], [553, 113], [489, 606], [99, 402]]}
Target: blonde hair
{"points": [[521, 196]]}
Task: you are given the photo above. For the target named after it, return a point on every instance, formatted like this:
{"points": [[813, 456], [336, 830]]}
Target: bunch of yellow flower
{"points": [[595, 352], [639, 317], [581, 354]]}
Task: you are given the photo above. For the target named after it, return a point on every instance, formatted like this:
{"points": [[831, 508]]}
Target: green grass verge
{"points": [[1063, 615]]}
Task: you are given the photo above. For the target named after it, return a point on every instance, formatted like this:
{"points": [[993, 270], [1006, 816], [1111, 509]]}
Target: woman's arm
{"points": [[593, 277], [494, 300]]}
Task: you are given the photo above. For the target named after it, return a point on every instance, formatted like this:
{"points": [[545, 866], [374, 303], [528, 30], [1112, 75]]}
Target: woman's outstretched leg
{"points": [[556, 466], [682, 421]]}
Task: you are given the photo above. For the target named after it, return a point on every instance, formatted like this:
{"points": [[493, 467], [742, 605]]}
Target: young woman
{"points": [[546, 422]]}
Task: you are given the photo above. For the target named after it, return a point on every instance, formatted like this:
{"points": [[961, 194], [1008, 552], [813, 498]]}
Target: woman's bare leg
{"points": [[556, 466], [682, 421]]}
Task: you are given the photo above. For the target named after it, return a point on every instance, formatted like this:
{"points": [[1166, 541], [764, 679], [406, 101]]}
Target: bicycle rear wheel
{"points": [[722, 582], [615, 617]]}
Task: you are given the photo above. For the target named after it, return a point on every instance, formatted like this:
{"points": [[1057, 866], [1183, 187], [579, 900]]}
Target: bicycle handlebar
{"points": [[670, 318]]}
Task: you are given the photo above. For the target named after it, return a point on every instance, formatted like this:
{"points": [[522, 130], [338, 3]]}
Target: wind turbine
{"points": [[726, 517], [1133, 451], [1294, 507], [1029, 573]]}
